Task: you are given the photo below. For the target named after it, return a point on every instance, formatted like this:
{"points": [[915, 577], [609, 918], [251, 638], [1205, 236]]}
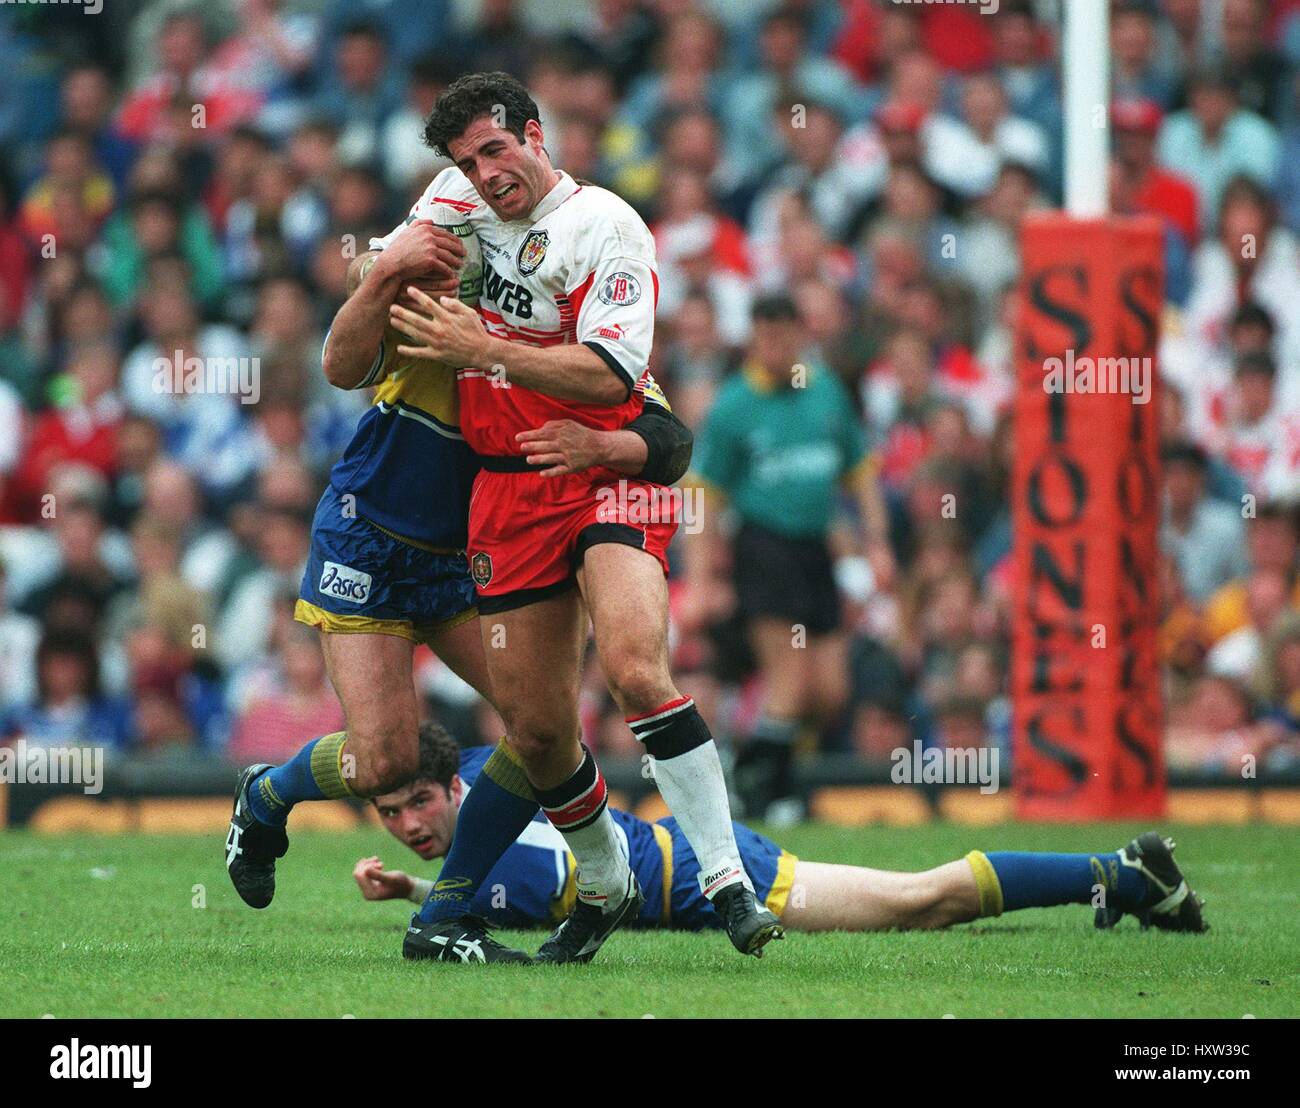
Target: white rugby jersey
{"points": [[580, 268]]}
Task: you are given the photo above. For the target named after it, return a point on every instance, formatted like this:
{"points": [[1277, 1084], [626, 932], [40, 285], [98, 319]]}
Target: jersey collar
{"points": [[565, 187]]}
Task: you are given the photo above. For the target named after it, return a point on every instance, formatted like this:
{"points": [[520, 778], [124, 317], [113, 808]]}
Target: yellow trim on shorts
{"points": [[779, 894], [664, 840], [331, 623], [986, 881]]}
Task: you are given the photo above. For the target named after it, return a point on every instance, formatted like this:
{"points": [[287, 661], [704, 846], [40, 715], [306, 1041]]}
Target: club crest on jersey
{"points": [[620, 289], [480, 568], [532, 251]]}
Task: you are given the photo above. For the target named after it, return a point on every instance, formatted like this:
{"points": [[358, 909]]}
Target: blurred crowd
{"points": [[182, 180]]}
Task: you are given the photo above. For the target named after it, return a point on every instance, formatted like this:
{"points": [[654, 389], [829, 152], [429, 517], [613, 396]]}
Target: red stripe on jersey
{"points": [[459, 205], [655, 277], [494, 317], [502, 332], [578, 295]]}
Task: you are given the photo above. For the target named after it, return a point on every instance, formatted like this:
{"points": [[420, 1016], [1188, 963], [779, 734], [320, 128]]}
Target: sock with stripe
{"points": [[690, 779], [579, 810], [1008, 880], [314, 773], [496, 811]]}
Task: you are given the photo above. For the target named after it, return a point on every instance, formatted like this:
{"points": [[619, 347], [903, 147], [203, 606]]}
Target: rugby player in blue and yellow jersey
{"points": [[533, 884], [387, 568]]}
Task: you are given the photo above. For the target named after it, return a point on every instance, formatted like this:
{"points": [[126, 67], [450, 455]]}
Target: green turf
{"points": [[107, 926]]}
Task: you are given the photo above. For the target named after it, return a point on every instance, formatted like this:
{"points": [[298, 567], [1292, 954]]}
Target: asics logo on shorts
{"points": [[345, 583]]}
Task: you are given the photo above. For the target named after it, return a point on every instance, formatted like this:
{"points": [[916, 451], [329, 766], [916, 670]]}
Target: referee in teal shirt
{"points": [[780, 445]]}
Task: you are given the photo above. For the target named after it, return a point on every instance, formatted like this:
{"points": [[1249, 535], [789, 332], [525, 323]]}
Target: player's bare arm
{"points": [[451, 332], [376, 279]]}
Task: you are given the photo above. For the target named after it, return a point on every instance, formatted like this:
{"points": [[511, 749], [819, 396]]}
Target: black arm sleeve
{"points": [[668, 444]]}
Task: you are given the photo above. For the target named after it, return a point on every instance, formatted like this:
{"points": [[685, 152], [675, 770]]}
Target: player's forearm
{"points": [[357, 333], [624, 451], [656, 446], [568, 372]]}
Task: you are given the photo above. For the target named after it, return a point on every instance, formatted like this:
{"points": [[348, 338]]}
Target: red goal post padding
{"points": [[1085, 677]]}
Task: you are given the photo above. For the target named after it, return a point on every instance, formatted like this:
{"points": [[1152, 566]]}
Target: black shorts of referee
{"points": [[786, 578]]}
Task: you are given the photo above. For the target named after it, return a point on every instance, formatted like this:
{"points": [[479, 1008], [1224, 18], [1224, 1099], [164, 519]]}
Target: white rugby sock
{"points": [[690, 779], [578, 808], [602, 863]]}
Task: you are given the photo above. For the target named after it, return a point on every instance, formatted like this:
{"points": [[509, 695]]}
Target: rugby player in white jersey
{"points": [[562, 336]]}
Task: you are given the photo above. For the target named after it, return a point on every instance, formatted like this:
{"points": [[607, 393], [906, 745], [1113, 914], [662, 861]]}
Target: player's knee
{"points": [[535, 744], [387, 756], [637, 683]]}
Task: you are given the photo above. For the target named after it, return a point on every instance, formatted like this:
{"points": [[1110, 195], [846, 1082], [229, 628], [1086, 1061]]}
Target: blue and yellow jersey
{"points": [[534, 882], [408, 466]]}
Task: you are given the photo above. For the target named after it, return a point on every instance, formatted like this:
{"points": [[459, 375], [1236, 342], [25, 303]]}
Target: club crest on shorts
{"points": [[532, 251], [480, 568], [620, 290]]}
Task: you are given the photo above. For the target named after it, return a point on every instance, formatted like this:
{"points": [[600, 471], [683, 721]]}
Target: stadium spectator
{"points": [[1240, 653], [293, 700], [187, 80], [74, 195], [408, 163], [1150, 188], [786, 72], [360, 92], [69, 709], [86, 97], [1215, 140], [964, 154], [1273, 543], [81, 427], [1258, 72], [1135, 76], [1204, 537]]}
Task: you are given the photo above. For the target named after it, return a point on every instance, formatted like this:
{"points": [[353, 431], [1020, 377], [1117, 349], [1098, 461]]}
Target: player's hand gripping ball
{"points": [[466, 285]]}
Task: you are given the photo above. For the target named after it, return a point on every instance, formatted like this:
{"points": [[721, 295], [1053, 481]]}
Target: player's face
{"points": [[423, 816], [511, 176]]}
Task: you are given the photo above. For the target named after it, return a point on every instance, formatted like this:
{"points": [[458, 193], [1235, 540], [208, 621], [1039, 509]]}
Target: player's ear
{"points": [[533, 134], [457, 789]]}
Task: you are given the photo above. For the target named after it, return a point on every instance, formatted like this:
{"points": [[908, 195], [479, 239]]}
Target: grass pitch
{"points": [[112, 926]]}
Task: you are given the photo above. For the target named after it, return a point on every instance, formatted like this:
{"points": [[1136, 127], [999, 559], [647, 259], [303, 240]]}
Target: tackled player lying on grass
{"points": [[533, 883]]}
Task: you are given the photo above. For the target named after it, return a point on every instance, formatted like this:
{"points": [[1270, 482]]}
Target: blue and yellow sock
{"points": [[1008, 880], [495, 813], [314, 773]]}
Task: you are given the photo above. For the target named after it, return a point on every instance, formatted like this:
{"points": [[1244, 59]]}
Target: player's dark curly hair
{"points": [[473, 96], [439, 756]]}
